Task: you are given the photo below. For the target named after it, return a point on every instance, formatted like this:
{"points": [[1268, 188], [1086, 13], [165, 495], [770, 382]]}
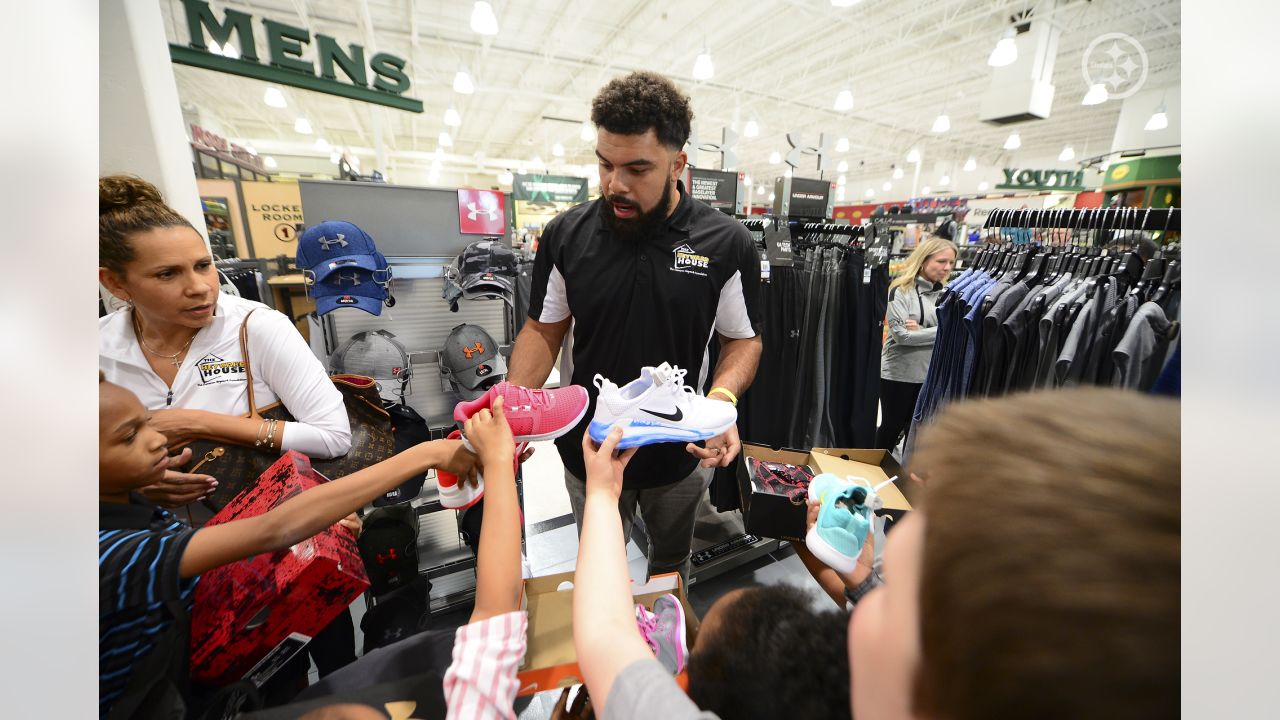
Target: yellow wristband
{"points": [[733, 399]]}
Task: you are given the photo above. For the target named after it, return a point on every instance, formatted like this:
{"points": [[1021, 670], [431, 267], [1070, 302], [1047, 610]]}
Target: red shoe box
{"points": [[251, 616]]}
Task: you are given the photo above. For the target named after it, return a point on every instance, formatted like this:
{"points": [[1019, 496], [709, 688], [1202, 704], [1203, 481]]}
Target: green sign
{"points": [[549, 188], [1068, 180], [381, 80]]}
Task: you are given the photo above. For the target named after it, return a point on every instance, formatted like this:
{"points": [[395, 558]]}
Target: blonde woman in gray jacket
{"points": [[913, 326]]}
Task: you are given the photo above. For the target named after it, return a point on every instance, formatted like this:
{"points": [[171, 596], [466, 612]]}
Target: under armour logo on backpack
{"points": [[473, 212], [469, 351], [391, 555], [353, 278], [326, 243]]}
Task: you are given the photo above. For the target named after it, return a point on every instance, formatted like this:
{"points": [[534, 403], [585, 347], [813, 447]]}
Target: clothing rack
{"points": [[1163, 219], [257, 265]]}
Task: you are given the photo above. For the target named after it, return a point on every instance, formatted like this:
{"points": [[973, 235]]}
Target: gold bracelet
{"points": [[725, 392], [271, 434], [258, 440]]}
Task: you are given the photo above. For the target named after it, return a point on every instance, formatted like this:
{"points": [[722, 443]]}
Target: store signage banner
{"points": [[1066, 180], [273, 213], [217, 143], [380, 79], [716, 188], [809, 198], [481, 212], [549, 188]]}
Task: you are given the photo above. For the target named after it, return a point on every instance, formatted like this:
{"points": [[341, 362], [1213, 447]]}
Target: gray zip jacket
{"points": [[905, 355]]}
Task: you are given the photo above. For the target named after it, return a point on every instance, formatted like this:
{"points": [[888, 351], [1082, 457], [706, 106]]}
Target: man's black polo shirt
{"points": [[640, 304]]}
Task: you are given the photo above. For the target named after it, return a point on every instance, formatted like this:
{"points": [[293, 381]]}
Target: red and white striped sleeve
{"points": [[481, 681]]}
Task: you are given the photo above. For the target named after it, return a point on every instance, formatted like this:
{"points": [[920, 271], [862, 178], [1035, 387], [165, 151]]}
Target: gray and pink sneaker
{"points": [[532, 414], [664, 630]]}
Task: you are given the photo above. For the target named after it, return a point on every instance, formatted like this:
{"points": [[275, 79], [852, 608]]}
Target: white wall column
{"points": [[140, 126]]}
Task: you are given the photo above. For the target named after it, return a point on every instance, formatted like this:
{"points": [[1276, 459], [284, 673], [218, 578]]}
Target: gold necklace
{"points": [[174, 358]]}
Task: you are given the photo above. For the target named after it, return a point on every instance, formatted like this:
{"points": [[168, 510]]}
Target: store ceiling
{"points": [[780, 63]]}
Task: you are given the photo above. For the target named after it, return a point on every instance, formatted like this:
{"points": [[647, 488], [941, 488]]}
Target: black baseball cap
{"points": [[471, 361], [487, 268]]}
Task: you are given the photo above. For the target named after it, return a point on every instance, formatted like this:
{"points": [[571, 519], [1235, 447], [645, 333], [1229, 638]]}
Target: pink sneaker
{"points": [[663, 629], [532, 414]]}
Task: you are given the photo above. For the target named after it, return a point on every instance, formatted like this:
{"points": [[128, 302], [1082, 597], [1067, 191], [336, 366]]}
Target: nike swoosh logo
{"points": [[676, 416]]}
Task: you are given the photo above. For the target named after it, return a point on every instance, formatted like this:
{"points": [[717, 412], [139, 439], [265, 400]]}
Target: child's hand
{"points": [[455, 458], [489, 433], [604, 467]]}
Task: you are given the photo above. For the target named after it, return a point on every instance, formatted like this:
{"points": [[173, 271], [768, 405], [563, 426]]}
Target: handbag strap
{"points": [[248, 368]]}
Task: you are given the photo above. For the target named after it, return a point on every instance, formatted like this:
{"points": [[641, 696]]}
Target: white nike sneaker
{"points": [[658, 407]]}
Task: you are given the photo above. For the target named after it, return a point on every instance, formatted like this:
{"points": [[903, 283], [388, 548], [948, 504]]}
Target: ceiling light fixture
{"points": [[703, 68], [587, 133], [1068, 153], [840, 193], [445, 140], [557, 150], [302, 125], [1013, 142], [483, 21], [323, 145], [462, 83], [944, 180], [843, 166], [840, 180], [771, 197], [274, 98], [870, 192], [842, 144], [942, 123], [1159, 119], [844, 100], [914, 155], [1005, 52], [746, 181], [971, 164], [887, 186], [1096, 96], [982, 186], [925, 190], [752, 129], [897, 173], [786, 173], [536, 162], [334, 157], [452, 118], [844, 3], [760, 189], [775, 157], [269, 162], [506, 177]]}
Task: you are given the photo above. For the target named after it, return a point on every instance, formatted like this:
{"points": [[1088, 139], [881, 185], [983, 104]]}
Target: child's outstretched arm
{"points": [[310, 512], [604, 622], [498, 579]]}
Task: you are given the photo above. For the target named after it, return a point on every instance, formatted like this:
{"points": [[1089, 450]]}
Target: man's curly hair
{"points": [[640, 101]]}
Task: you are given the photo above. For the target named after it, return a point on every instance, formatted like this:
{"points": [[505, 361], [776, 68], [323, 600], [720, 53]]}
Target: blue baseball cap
{"points": [[353, 287], [337, 245]]}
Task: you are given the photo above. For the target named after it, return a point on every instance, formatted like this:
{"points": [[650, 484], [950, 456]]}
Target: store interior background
{"points": [[778, 68]]}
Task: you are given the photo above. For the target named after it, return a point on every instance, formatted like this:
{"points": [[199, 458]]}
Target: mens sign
{"points": [[380, 79]]}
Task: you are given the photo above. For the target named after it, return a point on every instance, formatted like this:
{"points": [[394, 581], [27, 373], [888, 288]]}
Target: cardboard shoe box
{"points": [[251, 616], [774, 515], [550, 660]]}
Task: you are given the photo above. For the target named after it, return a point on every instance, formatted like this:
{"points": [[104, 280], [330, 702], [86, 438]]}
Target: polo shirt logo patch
{"points": [[689, 261], [214, 370]]}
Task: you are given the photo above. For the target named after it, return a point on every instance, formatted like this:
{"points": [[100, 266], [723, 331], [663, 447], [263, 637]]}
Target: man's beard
{"points": [[640, 227]]}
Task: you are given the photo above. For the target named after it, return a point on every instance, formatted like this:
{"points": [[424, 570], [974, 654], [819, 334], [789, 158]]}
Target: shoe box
{"points": [[550, 660], [252, 616], [773, 515]]}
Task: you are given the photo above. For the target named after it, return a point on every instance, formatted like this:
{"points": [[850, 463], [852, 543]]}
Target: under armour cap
{"points": [[354, 287], [487, 267], [337, 245], [471, 361]]}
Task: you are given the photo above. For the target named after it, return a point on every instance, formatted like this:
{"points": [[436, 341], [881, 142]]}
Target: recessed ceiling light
{"points": [[844, 100], [445, 140], [462, 83], [302, 125], [483, 20], [752, 128], [274, 98], [971, 164], [703, 68], [452, 118]]}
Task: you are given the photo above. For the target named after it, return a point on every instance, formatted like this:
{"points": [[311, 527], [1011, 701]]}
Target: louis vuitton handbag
{"points": [[238, 466]]}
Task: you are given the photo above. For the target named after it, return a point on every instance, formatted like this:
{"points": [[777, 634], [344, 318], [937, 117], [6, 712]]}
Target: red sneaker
{"points": [[457, 495], [532, 414]]}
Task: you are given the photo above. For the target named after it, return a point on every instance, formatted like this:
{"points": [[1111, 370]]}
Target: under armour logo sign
{"points": [[798, 148], [327, 244], [353, 278], [391, 555], [473, 212], [728, 138], [469, 351]]}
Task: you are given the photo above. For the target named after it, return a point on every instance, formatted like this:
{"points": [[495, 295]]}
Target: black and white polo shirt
{"points": [[637, 304]]}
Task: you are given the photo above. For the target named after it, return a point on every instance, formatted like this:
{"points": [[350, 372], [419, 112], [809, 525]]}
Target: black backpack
{"points": [[389, 547], [408, 428]]}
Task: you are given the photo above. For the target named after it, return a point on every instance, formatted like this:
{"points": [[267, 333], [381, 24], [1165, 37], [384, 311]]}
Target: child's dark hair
{"points": [[773, 656], [128, 205]]}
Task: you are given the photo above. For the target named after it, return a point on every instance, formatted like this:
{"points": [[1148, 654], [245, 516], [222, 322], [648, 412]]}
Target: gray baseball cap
{"points": [[471, 361]]}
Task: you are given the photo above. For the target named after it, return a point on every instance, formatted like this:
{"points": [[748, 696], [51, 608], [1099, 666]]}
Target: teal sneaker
{"points": [[844, 519]]}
